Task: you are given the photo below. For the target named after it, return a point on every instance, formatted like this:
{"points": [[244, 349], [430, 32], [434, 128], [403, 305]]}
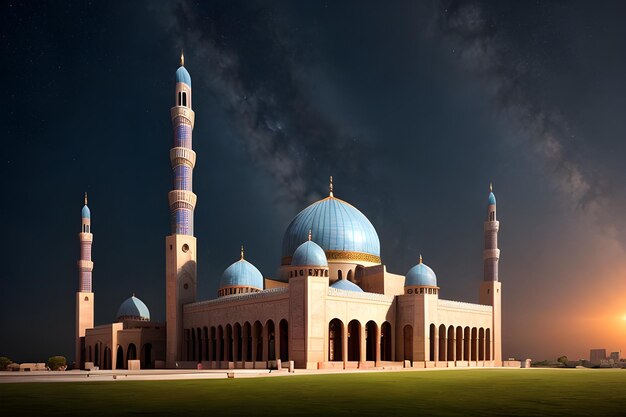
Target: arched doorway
{"points": [[213, 356], [238, 343], [481, 344], [229, 343], [459, 344], [370, 340], [354, 340], [247, 335], [271, 340], [199, 342], [131, 352], [335, 340], [146, 356], [220, 343], [408, 342], [205, 342], [284, 340], [106, 362], [433, 342], [385, 341], [442, 343], [258, 336], [192, 356], [474, 341], [450, 356], [119, 360], [488, 344], [466, 344], [96, 357]]}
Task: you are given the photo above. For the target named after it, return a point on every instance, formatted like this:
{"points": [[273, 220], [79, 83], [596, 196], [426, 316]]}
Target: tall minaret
{"points": [[180, 246], [84, 296], [491, 288]]}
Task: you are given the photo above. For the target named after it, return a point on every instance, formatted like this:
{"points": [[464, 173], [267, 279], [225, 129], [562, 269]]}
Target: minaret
{"points": [[491, 288], [180, 246], [84, 296]]}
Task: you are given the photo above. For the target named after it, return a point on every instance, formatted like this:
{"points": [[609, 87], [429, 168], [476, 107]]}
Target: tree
{"points": [[562, 360], [4, 362], [56, 363]]}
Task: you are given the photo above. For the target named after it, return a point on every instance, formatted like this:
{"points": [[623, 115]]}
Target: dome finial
{"points": [[182, 58], [331, 186], [420, 258], [85, 197], [309, 234], [490, 187], [242, 252]]}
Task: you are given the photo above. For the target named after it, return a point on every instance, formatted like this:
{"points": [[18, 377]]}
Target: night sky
{"points": [[413, 108]]}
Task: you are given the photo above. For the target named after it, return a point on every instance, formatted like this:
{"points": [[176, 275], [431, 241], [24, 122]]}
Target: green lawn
{"points": [[438, 393]]}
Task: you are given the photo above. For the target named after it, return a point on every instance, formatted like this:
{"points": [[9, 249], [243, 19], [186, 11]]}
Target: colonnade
{"points": [[238, 342], [449, 343], [358, 343]]}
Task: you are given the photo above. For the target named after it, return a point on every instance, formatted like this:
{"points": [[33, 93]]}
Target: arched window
{"points": [[184, 98]]}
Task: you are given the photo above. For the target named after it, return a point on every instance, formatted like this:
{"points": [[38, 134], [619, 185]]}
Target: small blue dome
{"points": [[134, 309], [344, 284], [242, 274], [86, 213], [309, 254], [182, 76], [335, 226], [492, 198], [420, 274]]}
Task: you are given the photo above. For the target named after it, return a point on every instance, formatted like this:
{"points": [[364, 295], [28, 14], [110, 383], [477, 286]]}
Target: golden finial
{"points": [[241, 252], [85, 197], [309, 234], [420, 258], [182, 58], [331, 186], [490, 187]]}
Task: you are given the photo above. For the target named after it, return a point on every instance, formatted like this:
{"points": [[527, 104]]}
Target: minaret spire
{"points": [[242, 252], [182, 58], [309, 234], [85, 197], [331, 186]]}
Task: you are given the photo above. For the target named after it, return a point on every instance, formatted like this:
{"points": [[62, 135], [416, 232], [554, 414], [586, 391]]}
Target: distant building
{"points": [[597, 356], [614, 356]]}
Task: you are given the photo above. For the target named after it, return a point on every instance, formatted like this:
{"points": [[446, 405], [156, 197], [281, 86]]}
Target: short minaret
{"points": [[491, 288], [180, 246], [84, 296]]}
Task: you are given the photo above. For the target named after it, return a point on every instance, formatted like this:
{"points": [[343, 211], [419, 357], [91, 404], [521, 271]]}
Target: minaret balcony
{"points": [[182, 111], [187, 198], [491, 254], [86, 266], [182, 156], [85, 237], [491, 226]]}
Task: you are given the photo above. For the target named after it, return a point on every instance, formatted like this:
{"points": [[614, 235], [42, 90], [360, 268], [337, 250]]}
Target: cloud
{"points": [[483, 49], [258, 71]]}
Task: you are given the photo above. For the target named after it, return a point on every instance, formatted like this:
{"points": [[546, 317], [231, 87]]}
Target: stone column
{"points": [[344, 345], [362, 346], [436, 345], [377, 347], [277, 341]]}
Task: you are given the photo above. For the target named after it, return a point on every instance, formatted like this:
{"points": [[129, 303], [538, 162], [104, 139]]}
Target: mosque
{"points": [[332, 305]]}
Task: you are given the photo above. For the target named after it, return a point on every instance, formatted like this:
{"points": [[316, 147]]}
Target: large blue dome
{"points": [[182, 76], [422, 275], [309, 254], [337, 227], [133, 309], [242, 274], [86, 213], [344, 284]]}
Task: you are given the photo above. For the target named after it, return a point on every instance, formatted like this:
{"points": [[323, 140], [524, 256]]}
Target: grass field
{"points": [[438, 393]]}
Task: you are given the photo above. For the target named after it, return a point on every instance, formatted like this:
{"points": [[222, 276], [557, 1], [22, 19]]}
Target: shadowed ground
{"points": [[534, 392]]}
